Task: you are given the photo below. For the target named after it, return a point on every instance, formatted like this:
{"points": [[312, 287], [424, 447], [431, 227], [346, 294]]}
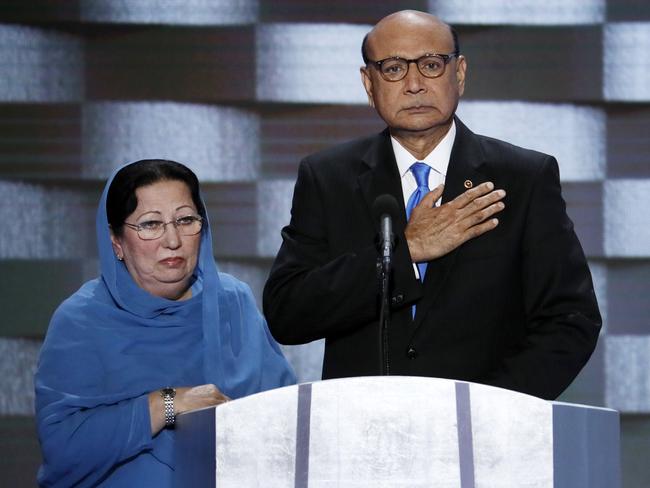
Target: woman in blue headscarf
{"points": [[160, 332]]}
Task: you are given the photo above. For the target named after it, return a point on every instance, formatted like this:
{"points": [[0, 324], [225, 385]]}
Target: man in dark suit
{"points": [[506, 297]]}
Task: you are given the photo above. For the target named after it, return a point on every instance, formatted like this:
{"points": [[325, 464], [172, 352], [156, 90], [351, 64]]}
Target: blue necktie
{"points": [[421, 173]]}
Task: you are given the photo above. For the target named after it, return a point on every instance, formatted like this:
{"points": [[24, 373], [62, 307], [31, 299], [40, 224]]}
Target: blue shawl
{"points": [[111, 343]]}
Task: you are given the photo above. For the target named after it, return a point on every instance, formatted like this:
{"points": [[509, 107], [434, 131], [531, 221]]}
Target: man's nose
{"points": [[414, 81]]}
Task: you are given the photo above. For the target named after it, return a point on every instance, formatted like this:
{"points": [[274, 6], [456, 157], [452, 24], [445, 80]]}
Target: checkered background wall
{"points": [[242, 90]]}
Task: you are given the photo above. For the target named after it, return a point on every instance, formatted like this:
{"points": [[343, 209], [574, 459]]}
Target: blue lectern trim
{"points": [[196, 459], [465, 444], [586, 447], [302, 436]]}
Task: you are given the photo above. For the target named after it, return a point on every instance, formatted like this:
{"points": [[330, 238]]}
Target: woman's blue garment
{"points": [[111, 343]]}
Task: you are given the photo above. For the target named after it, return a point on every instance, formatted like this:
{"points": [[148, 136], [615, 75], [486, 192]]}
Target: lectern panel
{"points": [[522, 452], [397, 432], [256, 440], [398, 435]]}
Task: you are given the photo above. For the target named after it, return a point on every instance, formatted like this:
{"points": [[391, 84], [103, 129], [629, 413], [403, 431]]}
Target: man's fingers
{"points": [[429, 200], [470, 195], [436, 193], [433, 232], [479, 229], [490, 198], [480, 216]]}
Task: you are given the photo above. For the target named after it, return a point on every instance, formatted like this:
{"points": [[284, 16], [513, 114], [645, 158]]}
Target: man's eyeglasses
{"points": [[149, 230], [429, 65]]}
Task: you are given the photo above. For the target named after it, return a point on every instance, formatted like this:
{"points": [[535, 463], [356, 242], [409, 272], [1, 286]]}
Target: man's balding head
{"points": [[407, 16]]}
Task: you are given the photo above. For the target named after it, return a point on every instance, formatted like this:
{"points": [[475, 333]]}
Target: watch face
{"points": [[168, 392]]}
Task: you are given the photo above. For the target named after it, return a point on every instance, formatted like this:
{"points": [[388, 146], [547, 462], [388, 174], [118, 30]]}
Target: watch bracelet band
{"points": [[168, 399]]}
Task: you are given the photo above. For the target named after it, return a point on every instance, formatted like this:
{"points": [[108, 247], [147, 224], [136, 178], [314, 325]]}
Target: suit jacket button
{"points": [[397, 299], [411, 353]]}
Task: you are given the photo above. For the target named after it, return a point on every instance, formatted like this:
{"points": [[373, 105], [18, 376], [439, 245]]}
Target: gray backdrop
{"points": [[241, 90]]}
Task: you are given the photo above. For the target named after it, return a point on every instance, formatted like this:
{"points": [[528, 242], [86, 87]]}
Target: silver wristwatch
{"points": [[168, 395]]}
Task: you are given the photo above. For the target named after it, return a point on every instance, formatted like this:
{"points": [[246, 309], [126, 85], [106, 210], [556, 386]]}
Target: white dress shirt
{"points": [[438, 160]]}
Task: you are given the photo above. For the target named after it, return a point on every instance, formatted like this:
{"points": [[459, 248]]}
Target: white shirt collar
{"points": [[438, 159]]}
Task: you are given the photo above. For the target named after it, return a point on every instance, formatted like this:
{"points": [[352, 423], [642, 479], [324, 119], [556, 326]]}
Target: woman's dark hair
{"points": [[121, 200]]}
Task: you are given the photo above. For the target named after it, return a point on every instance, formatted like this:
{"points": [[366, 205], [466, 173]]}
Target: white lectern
{"points": [[397, 432]]}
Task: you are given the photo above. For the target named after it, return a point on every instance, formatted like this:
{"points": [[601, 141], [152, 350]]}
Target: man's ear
{"points": [[367, 84], [461, 70]]}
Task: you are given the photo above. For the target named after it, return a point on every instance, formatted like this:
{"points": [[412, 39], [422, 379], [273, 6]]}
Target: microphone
{"points": [[385, 209]]}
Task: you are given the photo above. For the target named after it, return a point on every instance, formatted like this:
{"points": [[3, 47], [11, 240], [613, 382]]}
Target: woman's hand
{"points": [[193, 397], [187, 398]]}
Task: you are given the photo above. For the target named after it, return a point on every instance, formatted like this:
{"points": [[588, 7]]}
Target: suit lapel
{"points": [[466, 157], [379, 176]]}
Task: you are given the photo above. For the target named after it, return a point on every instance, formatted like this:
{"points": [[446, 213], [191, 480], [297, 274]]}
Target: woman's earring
{"points": [[119, 258]]}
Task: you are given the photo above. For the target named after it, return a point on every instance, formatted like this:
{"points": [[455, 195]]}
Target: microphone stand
{"points": [[384, 267]]}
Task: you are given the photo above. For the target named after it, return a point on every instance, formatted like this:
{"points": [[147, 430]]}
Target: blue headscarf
{"points": [[111, 343]]}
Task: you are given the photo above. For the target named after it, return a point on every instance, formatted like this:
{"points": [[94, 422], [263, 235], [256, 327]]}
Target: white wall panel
{"points": [[526, 12], [218, 143], [306, 359], [253, 275], [317, 63], [18, 363], [626, 61], [39, 65], [42, 222], [627, 383], [574, 135], [627, 233], [273, 213], [196, 12]]}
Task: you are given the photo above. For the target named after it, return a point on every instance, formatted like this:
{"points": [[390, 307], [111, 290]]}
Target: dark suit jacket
{"points": [[514, 307]]}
